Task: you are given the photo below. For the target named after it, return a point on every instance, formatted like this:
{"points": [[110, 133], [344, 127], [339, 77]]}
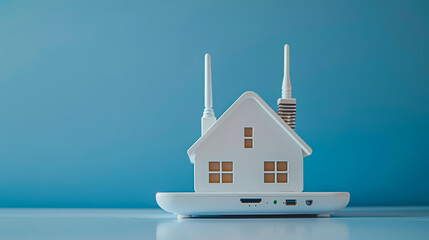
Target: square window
{"points": [[226, 177], [214, 166], [248, 132], [227, 166], [282, 177], [282, 166], [248, 143], [269, 177], [268, 166], [214, 178]]}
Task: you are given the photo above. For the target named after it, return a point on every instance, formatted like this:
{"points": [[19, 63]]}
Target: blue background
{"points": [[99, 100]]}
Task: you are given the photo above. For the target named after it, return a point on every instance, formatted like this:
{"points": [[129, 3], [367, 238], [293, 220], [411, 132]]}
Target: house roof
{"points": [[306, 150]]}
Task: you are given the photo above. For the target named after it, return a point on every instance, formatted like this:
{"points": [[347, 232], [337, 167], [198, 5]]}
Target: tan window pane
{"points": [[227, 177], [282, 177], [248, 132], [268, 166], [214, 178], [268, 177], [214, 166], [281, 166], [248, 143], [227, 166]]}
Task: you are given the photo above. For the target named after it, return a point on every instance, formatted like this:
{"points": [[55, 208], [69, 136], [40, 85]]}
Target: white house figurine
{"points": [[250, 148]]}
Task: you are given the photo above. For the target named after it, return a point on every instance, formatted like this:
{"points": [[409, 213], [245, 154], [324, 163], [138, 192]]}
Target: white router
{"points": [[250, 161]]}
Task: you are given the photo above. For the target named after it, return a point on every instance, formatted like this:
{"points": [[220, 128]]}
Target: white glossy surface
{"points": [[351, 223]]}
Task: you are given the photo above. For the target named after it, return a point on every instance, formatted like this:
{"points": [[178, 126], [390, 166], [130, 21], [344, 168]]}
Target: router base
{"points": [[193, 204]]}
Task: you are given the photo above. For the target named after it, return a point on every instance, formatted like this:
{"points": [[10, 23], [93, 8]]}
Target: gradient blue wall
{"points": [[99, 100]]}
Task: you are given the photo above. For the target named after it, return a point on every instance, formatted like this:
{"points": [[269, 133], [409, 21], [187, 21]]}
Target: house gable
{"points": [[306, 150]]}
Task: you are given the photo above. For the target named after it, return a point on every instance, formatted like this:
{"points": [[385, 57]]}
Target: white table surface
{"points": [[352, 223]]}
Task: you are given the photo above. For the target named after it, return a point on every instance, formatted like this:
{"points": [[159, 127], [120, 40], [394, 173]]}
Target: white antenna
{"points": [[286, 104], [208, 118], [286, 87]]}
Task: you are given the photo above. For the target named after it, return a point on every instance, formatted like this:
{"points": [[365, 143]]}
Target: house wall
{"points": [[270, 143]]}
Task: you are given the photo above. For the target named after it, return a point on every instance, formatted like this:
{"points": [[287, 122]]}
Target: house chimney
{"points": [[208, 118], [286, 104]]}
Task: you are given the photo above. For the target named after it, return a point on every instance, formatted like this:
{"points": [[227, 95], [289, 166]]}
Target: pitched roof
{"points": [[245, 96]]}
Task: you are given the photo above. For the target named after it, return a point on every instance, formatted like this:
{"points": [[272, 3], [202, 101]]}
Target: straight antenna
{"points": [[208, 118], [286, 87], [286, 104]]}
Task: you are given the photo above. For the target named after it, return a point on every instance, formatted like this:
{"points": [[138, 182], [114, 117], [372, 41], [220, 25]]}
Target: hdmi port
{"points": [[250, 200]]}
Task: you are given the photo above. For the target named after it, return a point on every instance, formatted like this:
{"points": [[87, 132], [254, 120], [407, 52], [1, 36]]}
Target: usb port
{"points": [[250, 200], [290, 202]]}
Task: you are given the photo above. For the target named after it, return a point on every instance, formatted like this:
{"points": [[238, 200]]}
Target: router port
{"points": [[250, 200], [290, 202]]}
